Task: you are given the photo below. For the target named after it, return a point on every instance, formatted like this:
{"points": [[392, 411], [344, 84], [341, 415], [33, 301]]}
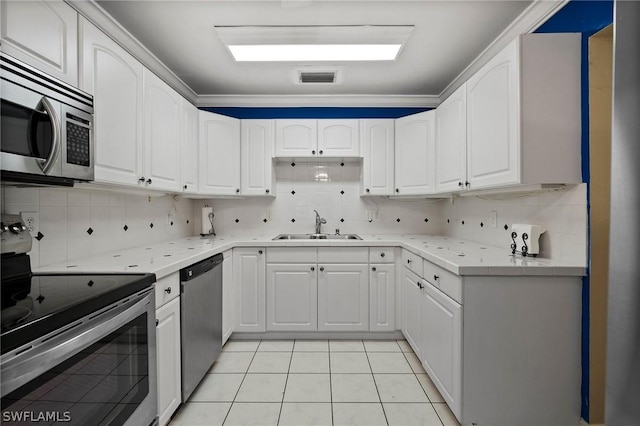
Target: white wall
{"points": [[67, 214], [562, 213], [318, 186]]}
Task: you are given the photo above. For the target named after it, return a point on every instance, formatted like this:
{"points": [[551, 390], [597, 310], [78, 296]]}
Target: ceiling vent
{"points": [[315, 75]]}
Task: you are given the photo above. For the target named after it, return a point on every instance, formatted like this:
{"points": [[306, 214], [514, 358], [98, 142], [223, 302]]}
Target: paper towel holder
{"points": [[212, 230]]}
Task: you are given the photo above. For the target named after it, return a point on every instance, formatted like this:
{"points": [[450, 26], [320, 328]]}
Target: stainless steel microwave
{"points": [[46, 128]]}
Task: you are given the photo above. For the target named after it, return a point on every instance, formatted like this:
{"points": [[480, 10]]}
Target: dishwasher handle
{"points": [[194, 271]]}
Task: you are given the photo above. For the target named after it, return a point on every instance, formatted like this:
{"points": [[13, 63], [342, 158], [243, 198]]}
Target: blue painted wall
{"points": [[586, 17], [315, 112]]}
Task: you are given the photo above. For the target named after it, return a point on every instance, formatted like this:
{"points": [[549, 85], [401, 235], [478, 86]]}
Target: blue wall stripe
{"points": [[586, 17], [314, 112]]}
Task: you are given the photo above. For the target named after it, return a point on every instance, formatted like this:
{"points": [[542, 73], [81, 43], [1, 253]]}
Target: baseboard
{"points": [[315, 335]]}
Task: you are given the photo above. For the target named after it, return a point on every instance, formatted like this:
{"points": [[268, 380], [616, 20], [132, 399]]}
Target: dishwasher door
{"points": [[200, 320]]}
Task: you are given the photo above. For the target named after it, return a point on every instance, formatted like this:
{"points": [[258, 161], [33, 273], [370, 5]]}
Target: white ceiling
{"points": [[448, 36]]}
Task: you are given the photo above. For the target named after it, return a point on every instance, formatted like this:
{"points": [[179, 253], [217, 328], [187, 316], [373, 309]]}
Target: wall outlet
{"points": [[32, 222], [493, 219]]}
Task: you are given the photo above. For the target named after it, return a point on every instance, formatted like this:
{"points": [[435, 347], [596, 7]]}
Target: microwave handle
{"points": [[47, 163]]}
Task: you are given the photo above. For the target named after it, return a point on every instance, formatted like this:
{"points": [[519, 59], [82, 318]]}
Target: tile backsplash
{"points": [[562, 213], [332, 189], [76, 223]]}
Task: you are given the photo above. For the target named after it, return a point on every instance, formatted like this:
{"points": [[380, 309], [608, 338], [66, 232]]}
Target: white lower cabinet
{"points": [[168, 359], [382, 291], [412, 321], [441, 337], [249, 286], [227, 296], [292, 297], [343, 297]]}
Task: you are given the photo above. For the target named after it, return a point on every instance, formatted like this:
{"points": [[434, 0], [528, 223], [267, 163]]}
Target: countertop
{"points": [[458, 256]]}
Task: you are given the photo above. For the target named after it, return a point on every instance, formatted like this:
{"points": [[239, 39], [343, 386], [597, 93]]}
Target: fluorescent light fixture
{"points": [[314, 43], [315, 52]]}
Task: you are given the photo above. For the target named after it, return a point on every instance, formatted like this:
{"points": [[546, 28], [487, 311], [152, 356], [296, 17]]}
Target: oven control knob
{"points": [[16, 228]]}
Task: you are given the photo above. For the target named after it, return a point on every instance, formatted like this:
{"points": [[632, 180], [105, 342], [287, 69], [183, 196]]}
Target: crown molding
{"points": [[396, 101], [95, 14], [528, 21]]}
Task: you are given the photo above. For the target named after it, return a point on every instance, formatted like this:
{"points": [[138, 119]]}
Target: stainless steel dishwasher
{"points": [[200, 320]]}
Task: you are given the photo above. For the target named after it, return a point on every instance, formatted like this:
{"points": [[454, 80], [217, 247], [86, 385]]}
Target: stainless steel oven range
{"points": [[76, 348]]}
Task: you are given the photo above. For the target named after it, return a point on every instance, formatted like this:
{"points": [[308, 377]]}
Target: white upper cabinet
{"points": [[377, 143], [189, 155], [338, 138], [415, 154], [296, 138], [451, 142], [219, 154], [162, 134], [115, 79], [317, 138], [43, 34], [523, 114], [256, 150]]}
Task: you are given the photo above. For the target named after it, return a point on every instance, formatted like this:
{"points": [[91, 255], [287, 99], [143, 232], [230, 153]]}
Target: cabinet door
{"points": [[296, 138], [442, 344], [292, 297], [415, 154], [249, 284], [219, 154], [411, 321], [168, 359], [256, 150], [189, 155], [339, 138], [451, 143], [343, 297], [162, 134], [493, 113], [115, 79], [44, 34], [377, 141], [382, 290], [228, 303]]}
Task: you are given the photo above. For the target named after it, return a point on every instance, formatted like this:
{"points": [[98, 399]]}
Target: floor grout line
{"points": [[240, 387], [286, 380], [376, 385]]}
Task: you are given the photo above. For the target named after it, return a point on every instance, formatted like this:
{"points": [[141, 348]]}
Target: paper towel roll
{"points": [[206, 222]]}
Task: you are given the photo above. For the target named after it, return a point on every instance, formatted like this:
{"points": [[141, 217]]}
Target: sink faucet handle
{"points": [[337, 231]]}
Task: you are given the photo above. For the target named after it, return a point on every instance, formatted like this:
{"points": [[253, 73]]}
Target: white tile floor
{"points": [[317, 382]]}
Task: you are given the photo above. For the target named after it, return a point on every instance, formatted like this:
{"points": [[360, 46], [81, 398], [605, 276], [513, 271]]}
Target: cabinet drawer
{"points": [[412, 261], [343, 255], [167, 289], [447, 282], [292, 254], [382, 255]]}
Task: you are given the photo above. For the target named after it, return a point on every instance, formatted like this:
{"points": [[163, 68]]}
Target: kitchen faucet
{"points": [[319, 222]]}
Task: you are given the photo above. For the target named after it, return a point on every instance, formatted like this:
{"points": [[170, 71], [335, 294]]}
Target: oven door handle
{"points": [[26, 365]]}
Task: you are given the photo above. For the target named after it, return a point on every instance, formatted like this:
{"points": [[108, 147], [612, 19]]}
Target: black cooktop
{"points": [[38, 304]]}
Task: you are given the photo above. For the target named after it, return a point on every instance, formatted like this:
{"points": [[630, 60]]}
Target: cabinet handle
{"points": [[467, 184], [149, 181], [382, 254], [141, 180], [320, 152], [259, 251], [367, 190], [185, 187], [237, 190], [267, 191], [157, 322], [397, 190], [322, 269], [313, 152], [167, 290], [313, 268], [436, 278], [460, 184], [408, 261], [374, 269], [419, 285]]}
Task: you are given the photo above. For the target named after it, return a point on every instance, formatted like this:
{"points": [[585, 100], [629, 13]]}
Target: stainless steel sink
{"points": [[317, 237]]}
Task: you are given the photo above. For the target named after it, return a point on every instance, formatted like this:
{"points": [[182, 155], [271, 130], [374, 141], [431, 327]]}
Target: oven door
{"points": [[30, 131], [101, 370]]}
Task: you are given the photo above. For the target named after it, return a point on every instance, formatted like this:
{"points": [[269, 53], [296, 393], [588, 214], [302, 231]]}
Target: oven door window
{"points": [[102, 385], [26, 131]]}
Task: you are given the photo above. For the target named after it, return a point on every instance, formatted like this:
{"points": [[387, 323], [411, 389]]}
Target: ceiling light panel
{"points": [[315, 52]]}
